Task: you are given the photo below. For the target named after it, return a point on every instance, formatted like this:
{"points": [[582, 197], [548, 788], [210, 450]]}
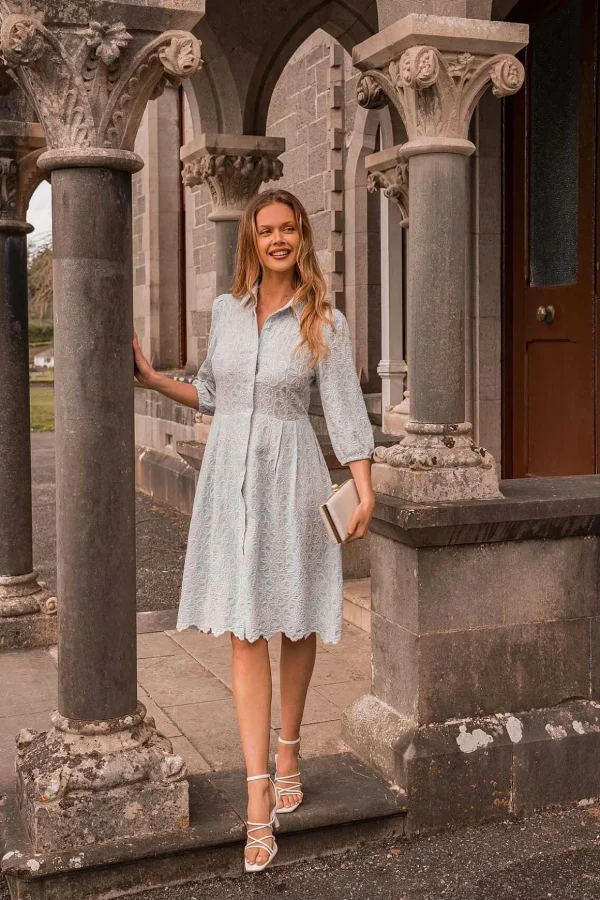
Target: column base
{"points": [[27, 613], [91, 782], [436, 463], [475, 770]]}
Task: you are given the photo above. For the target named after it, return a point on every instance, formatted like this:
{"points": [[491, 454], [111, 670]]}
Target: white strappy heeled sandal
{"points": [[262, 843], [292, 785]]}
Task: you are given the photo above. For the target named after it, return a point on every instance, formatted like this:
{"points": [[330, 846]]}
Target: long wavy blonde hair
{"points": [[309, 282]]}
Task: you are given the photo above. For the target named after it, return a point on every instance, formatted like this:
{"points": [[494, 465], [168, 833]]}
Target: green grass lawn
{"points": [[42, 408], [44, 375]]}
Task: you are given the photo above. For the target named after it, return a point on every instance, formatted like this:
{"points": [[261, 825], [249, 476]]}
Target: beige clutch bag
{"points": [[339, 508]]}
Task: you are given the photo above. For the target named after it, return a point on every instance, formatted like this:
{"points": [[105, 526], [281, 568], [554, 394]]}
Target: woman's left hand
{"points": [[361, 520]]}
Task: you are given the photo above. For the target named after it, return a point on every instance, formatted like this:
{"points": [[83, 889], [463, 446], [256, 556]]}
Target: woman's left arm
{"points": [[347, 419], [361, 520]]}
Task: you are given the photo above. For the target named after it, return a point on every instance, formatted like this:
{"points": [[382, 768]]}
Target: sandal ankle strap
{"points": [[258, 777], [281, 741]]}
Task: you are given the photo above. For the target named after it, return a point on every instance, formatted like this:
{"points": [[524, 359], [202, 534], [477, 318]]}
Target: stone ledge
{"points": [[531, 509], [347, 803]]}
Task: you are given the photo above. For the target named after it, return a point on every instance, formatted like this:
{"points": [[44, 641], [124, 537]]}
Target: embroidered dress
{"points": [[259, 559]]}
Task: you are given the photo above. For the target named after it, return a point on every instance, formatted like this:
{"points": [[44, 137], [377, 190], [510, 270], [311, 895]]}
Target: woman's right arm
{"points": [[187, 394]]}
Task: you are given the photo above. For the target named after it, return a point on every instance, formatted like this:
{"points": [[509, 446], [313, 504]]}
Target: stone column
{"points": [[91, 85], [434, 70], [27, 611], [234, 167], [388, 172]]}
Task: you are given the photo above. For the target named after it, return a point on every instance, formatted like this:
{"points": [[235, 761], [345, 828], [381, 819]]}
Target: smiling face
{"points": [[277, 237]]}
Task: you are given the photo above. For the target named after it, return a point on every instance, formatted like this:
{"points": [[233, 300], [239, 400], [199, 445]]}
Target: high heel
{"points": [[262, 842], [291, 786]]}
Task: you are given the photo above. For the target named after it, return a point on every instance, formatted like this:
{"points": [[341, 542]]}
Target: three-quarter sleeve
{"points": [[204, 382], [342, 398]]}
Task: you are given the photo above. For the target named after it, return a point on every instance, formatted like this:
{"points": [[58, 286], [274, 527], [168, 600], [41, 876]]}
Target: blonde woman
{"points": [[259, 560]]}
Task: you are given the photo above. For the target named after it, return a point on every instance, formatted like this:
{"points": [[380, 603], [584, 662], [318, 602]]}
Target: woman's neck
{"points": [[276, 288]]}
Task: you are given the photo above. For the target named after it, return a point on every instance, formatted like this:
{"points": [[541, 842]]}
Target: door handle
{"points": [[546, 314]]}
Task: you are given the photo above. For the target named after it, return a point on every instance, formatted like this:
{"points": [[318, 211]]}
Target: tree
{"points": [[40, 284]]}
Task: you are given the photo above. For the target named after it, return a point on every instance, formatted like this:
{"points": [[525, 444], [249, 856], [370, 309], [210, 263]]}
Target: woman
{"points": [[259, 560]]}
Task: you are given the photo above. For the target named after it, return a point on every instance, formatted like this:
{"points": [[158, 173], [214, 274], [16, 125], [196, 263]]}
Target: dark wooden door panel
{"points": [[550, 160], [559, 391]]}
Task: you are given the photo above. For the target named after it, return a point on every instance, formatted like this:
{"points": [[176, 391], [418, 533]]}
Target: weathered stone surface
{"points": [[92, 782], [445, 622], [473, 770], [462, 673], [24, 632], [530, 509]]}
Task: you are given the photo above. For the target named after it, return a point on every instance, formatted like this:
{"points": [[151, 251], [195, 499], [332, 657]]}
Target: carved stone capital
{"points": [[434, 70], [388, 171], [233, 167], [84, 766], [90, 82]]}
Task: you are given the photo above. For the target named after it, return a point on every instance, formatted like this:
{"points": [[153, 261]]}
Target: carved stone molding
{"points": [[438, 463], [436, 85], [233, 168], [90, 85], [388, 171], [19, 177], [23, 595]]}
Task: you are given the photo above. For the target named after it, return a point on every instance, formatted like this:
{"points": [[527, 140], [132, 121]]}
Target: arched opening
{"points": [[40, 308]]}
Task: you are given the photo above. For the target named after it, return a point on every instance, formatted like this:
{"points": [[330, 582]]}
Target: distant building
{"points": [[44, 359]]}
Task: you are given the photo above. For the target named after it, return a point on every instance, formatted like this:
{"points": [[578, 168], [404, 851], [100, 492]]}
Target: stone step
{"points": [[346, 803]]}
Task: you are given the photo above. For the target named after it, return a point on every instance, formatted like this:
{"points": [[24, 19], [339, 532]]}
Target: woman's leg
{"points": [[251, 675], [296, 668]]}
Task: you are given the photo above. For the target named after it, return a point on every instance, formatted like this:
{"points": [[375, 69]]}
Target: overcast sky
{"points": [[39, 214]]}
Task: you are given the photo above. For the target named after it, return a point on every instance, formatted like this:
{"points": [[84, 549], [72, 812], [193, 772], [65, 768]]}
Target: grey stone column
{"points": [[388, 172], [434, 70], [95, 487], [233, 167], [102, 772], [27, 611]]}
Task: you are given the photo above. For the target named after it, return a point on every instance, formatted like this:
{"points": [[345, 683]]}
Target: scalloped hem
{"points": [[242, 636]]}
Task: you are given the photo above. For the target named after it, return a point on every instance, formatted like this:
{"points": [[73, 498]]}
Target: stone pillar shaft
{"points": [[15, 442], [437, 278], [226, 238], [95, 492]]}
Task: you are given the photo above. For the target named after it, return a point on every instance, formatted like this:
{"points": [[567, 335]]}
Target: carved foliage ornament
{"points": [[435, 92], [232, 180], [93, 96], [394, 184]]}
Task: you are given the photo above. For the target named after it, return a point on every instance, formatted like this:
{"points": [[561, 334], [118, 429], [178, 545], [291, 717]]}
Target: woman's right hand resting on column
{"points": [[148, 377]]}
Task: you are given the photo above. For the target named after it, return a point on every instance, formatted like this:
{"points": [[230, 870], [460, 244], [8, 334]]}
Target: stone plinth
{"points": [[88, 783], [486, 652]]}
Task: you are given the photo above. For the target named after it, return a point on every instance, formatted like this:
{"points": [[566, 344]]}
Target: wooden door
{"points": [[550, 400]]}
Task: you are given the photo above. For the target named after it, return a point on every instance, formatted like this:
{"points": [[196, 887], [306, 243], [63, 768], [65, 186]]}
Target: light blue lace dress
{"points": [[259, 559]]}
